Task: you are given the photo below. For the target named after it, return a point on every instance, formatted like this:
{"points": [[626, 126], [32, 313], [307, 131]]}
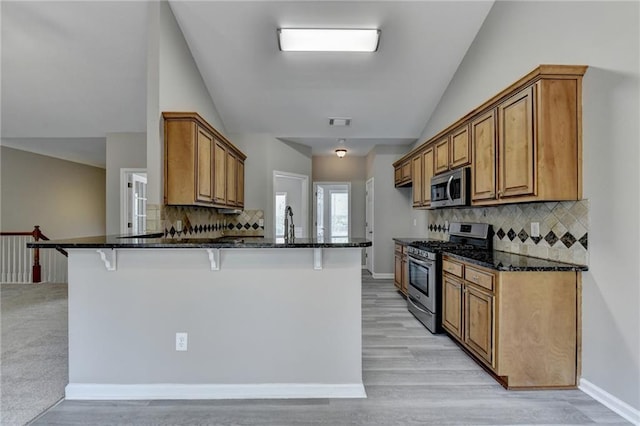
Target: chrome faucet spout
{"points": [[287, 233]]}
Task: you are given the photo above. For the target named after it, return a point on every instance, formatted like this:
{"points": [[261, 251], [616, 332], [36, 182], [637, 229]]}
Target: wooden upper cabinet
{"points": [[417, 179], [240, 184], [460, 148], [220, 173], [232, 179], [441, 155], [196, 163], [483, 169], [517, 168], [402, 173], [427, 173]]}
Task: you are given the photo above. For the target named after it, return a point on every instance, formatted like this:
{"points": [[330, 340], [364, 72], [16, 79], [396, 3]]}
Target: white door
{"points": [[332, 210], [369, 224]]}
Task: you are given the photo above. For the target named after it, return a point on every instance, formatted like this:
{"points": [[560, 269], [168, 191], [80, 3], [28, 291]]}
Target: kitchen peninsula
{"points": [[261, 318]]}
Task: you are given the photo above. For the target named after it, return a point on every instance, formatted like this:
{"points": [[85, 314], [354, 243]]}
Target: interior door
{"points": [[369, 224]]}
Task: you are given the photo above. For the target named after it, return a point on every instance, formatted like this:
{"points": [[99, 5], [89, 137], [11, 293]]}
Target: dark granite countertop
{"points": [[158, 241], [407, 241], [503, 261]]}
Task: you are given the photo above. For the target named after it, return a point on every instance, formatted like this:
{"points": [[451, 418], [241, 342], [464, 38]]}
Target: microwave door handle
{"points": [[449, 188]]}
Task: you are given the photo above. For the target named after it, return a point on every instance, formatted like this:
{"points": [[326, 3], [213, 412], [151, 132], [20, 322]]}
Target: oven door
{"points": [[422, 277]]}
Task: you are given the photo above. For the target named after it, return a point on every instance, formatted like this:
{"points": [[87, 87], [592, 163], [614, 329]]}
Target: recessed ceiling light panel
{"points": [[328, 40]]}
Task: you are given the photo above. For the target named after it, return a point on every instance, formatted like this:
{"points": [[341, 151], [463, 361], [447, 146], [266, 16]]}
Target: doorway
{"points": [[291, 189], [133, 201], [332, 210], [369, 224]]}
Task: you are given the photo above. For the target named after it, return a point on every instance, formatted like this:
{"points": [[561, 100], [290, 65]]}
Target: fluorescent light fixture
{"points": [[339, 121], [328, 40]]}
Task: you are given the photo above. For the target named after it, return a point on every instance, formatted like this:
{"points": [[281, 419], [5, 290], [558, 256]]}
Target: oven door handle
{"points": [[416, 306], [420, 262], [449, 188]]}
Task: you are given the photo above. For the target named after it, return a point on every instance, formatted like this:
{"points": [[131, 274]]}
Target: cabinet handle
{"points": [[475, 277]]}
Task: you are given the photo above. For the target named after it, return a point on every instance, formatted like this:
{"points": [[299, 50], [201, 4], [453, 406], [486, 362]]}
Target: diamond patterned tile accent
{"points": [[511, 234], [500, 233], [523, 235], [568, 239], [536, 239], [551, 238], [172, 231], [584, 241], [255, 226], [246, 226]]}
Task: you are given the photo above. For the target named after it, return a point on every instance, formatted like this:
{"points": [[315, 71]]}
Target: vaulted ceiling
{"points": [[74, 71]]}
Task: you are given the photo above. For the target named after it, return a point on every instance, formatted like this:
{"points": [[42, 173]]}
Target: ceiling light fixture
{"points": [[341, 152], [328, 40]]}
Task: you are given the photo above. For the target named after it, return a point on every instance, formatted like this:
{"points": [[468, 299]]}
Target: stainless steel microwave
{"points": [[451, 189]]}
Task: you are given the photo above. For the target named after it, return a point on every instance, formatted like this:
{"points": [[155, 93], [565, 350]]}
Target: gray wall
{"points": [[515, 38], [266, 154], [173, 84], [124, 150], [392, 206], [66, 199]]}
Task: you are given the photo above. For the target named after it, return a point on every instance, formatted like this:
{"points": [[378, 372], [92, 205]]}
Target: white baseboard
{"points": [[610, 401], [89, 391], [380, 276]]}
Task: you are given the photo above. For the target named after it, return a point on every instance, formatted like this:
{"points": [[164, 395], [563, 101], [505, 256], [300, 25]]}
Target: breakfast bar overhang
{"points": [[263, 318]]}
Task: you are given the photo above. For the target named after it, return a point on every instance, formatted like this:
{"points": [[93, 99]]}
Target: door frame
{"points": [[304, 185], [315, 204], [369, 225], [124, 197]]}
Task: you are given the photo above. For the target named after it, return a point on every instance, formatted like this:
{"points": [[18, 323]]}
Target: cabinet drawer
{"points": [[483, 279], [452, 268], [399, 248]]}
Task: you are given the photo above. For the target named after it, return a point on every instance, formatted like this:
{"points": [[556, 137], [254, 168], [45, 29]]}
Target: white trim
{"points": [[611, 402], [381, 276], [304, 182], [124, 179], [371, 225], [315, 203], [91, 391]]}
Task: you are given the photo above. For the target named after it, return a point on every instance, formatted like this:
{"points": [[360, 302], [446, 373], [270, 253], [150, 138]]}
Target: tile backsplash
{"points": [[564, 228], [202, 222]]}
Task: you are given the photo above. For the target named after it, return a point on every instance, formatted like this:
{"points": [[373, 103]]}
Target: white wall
{"points": [[264, 155], [124, 150], [66, 199], [515, 38], [392, 206]]}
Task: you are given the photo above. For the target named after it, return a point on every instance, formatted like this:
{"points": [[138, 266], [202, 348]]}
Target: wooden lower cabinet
{"points": [[401, 268], [522, 326]]}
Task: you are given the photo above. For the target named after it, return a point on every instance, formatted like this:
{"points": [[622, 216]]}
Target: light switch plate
{"points": [[181, 341]]}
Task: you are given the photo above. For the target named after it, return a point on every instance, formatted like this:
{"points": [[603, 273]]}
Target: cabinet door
{"points": [[232, 178], [460, 147], [516, 171], [405, 275], [478, 334], [204, 174], [397, 272], [397, 174], [483, 170], [452, 305], [427, 167], [220, 173], [240, 185], [406, 171], [417, 178], [442, 155]]}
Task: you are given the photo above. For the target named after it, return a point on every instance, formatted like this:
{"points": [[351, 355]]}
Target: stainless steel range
{"points": [[425, 269]]}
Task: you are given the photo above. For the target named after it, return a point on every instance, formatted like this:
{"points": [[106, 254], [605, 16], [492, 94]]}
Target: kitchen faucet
{"points": [[288, 234]]}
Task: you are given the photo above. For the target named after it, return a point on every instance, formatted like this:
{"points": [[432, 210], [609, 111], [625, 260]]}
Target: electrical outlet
{"points": [[181, 341], [179, 225], [260, 222], [415, 222], [535, 229]]}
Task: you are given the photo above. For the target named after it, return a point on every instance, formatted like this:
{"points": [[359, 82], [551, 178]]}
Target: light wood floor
{"points": [[411, 377]]}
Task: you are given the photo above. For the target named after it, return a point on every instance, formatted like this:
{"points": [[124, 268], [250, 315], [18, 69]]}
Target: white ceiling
{"points": [[76, 70]]}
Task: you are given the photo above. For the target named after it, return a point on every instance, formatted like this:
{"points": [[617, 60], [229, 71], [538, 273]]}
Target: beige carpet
{"points": [[34, 362]]}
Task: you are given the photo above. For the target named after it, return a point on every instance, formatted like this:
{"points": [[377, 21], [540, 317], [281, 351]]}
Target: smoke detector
{"points": [[339, 121]]}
